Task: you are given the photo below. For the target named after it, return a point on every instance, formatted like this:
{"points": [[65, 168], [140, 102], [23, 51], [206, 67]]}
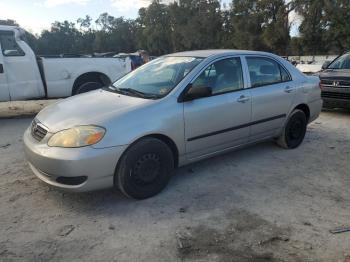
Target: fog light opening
{"points": [[71, 181]]}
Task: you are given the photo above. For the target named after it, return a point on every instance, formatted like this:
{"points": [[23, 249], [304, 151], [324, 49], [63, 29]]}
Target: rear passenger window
{"points": [[265, 71]]}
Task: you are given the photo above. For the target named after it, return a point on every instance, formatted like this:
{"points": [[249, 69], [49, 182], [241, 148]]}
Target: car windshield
{"points": [[156, 78], [342, 62]]}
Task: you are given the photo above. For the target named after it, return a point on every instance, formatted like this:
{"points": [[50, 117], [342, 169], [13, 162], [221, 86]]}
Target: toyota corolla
{"points": [[175, 110]]}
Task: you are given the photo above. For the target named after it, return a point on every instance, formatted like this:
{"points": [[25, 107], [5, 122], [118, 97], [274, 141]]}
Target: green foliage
{"points": [[204, 24], [155, 28], [312, 28], [337, 25], [246, 25], [195, 24]]}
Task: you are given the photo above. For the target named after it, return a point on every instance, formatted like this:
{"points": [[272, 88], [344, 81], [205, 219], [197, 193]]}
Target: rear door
{"points": [[4, 92], [218, 122], [272, 91]]}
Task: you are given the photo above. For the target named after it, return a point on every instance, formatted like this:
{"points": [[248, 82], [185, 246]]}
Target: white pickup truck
{"points": [[23, 75]]}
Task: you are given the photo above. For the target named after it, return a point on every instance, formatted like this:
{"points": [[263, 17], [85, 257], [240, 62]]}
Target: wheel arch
{"points": [[305, 108], [165, 139], [90, 76], [170, 143]]}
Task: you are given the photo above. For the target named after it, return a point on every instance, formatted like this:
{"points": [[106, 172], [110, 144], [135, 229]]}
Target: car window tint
{"points": [[9, 45], [223, 76], [264, 71]]}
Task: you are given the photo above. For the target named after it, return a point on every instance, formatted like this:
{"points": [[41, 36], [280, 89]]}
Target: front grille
{"points": [[38, 130], [335, 95], [335, 83]]}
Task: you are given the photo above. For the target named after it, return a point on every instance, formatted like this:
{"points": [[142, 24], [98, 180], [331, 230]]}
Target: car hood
{"points": [[92, 108], [335, 74]]}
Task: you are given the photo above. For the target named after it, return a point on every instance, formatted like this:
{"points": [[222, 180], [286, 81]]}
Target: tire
{"points": [[294, 131], [88, 86], [144, 169]]}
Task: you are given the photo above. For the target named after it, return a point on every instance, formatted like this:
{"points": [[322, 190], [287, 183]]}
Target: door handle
{"points": [[288, 89], [243, 99], [1, 69]]}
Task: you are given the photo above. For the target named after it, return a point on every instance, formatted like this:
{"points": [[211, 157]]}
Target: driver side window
{"points": [[222, 76], [9, 46]]}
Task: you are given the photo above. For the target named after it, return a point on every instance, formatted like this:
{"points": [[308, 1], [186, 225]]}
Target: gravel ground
{"points": [[262, 203]]}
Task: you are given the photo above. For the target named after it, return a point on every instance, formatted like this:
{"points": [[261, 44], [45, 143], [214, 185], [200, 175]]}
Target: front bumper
{"points": [[336, 97], [51, 164]]}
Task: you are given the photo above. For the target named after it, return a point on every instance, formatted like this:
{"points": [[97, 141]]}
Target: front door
{"points": [[272, 96], [218, 122], [4, 91], [21, 69]]}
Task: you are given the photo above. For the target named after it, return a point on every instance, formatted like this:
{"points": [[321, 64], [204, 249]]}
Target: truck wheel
{"points": [[144, 169], [88, 86], [294, 131]]}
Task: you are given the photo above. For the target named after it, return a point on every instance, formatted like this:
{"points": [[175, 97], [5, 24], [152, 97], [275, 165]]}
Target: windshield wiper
{"points": [[137, 93], [132, 91]]}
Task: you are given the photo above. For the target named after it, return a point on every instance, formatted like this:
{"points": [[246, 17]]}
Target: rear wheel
{"points": [[144, 169], [294, 131], [88, 86], [90, 81]]}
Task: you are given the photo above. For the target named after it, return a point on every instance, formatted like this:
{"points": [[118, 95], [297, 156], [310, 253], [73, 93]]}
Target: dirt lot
{"points": [[262, 203]]}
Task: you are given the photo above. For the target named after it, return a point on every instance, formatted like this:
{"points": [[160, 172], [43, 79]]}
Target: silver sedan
{"points": [[175, 110]]}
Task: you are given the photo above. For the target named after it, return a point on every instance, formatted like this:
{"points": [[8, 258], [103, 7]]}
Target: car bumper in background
{"points": [[336, 97], [72, 169]]}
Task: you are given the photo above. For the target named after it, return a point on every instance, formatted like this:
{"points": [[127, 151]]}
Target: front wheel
{"points": [[294, 131], [144, 169]]}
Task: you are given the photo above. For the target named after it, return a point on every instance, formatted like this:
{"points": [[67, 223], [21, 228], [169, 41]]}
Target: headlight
{"points": [[77, 136]]}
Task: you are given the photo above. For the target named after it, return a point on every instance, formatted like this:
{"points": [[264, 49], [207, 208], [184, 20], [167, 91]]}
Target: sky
{"points": [[36, 15]]}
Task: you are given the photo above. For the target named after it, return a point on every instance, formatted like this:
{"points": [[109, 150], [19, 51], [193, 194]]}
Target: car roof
{"points": [[213, 52]]}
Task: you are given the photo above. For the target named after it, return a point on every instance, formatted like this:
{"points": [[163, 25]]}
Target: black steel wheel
{"points": [[294, 131], [144, 169]]}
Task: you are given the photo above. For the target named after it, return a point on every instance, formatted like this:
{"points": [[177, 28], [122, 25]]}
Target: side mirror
{"points": [[11, 52], [196, 92], [325, 64]]}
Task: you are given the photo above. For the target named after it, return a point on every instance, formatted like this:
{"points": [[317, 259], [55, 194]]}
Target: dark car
{"points": [[335, 82]]}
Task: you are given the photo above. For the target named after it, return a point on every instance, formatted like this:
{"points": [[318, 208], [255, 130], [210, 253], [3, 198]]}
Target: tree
{"points": [[156, 28], [84, 23], [196, 24], [276, 26], [337, 17], [245, 24], [63, 37], [313, 26], [204, 24]]}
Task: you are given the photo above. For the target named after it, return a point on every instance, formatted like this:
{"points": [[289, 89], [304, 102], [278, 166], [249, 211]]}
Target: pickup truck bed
{"points": [[23, 75]]}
